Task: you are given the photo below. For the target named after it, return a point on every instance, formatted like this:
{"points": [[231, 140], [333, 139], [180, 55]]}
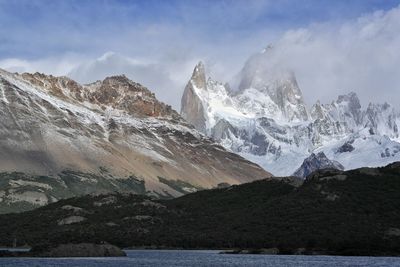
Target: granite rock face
{"points": [[192, 108]]}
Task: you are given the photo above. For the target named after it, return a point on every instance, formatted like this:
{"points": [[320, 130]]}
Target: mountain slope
{"points": [[314, 163], [267, 121], [332, 212], [114, 131]]}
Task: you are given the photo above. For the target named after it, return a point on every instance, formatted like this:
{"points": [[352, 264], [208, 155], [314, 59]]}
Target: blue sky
{"points": [[37, 28], [167, 38]]}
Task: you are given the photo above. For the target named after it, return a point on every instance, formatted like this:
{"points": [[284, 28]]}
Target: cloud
{"points": [[360, 55], [164, 79], [58, 65], [157, 43]]}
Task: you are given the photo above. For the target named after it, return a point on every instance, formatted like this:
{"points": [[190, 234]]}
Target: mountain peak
{"points": [[61, 86], [278, 82], [350, 107], [382, 119], [122, 93], [118, 78], [315, 162], [199, 76], [200, 66], [124, 84], [382, 107], [351, 98], [192, 108]]}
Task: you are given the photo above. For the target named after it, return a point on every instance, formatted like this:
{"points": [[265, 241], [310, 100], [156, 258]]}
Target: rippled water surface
{"points": [[166, 258]]}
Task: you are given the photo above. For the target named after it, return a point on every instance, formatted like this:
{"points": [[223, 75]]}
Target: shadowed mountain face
{"points": [[353, 212], [267, 121], [59, 138], [316, 162]]}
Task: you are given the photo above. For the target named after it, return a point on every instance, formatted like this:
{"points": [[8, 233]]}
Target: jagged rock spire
{"points": [[192, 108], [199, 76]]}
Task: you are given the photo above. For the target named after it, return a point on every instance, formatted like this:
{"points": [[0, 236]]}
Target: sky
{"points": [[333, 46]]}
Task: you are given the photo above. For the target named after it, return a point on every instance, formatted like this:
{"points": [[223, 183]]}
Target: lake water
{"points": [[171, 258]]}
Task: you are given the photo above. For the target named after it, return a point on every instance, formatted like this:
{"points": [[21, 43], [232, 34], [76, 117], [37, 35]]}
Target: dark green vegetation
{"points": [[22, 192], [333, 212]]}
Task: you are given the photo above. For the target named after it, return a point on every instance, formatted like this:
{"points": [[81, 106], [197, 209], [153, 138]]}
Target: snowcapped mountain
{"points": [[267, 121], [59, 138], [276, 84], [316, 162]]}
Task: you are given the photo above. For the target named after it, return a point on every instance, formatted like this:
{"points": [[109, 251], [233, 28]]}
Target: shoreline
{"points": [[66, 251], [23, 253], [267, 251]]}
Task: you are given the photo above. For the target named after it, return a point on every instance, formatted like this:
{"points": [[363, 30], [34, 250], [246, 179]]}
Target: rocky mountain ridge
{"points": [[60, 139], [267, 121]]}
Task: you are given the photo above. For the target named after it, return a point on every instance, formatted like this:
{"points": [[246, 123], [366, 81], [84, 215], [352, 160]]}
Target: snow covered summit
{"points": [[267, 121]]}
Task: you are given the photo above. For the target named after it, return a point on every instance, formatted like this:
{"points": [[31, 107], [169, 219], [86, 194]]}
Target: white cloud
{"points": [[164, 79], [361, 55], [52, 65]]}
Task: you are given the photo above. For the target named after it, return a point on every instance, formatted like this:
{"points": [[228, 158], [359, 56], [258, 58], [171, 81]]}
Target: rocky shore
{"points": [[69, 250]]}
